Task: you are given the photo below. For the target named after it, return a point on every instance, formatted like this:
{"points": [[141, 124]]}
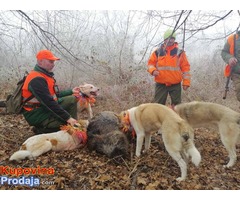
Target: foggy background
{"points": [[110, 49]]}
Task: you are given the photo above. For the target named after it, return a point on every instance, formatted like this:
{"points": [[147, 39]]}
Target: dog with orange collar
{"points": [[86, 98], [177, 134], [68, 138]]}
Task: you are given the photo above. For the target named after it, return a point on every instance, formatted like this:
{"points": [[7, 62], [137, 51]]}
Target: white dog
{"points": [[203, 114], [177, 134], [86, 98], [68, 139]]}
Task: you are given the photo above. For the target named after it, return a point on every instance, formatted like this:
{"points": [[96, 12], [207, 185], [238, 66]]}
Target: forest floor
{"points": [[82, 169]]}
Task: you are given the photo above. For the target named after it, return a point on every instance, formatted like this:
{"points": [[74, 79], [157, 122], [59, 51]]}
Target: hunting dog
{"points": [[86, 98], [203, 114], [69, 138], [177, 135]]}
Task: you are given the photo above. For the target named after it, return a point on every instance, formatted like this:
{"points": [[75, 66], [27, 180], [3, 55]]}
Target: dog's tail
{"points": [[194, 153], [20, 155], [190, 149], [188, 144]]}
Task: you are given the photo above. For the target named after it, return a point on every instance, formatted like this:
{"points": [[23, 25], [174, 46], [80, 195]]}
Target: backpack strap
{"points": [[22, 81], [232, 42]]}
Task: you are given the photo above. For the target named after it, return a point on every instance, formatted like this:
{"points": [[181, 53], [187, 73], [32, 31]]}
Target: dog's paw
{"points": [[30, 157], [227, 166], [179, 179], [138, 154]]}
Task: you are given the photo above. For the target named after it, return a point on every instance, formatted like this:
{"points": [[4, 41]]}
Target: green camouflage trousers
{"points": [[51, 124], [236, 83], [162, 91]]}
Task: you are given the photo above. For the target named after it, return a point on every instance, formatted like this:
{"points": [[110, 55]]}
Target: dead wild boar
{"points": [[105, 136]]}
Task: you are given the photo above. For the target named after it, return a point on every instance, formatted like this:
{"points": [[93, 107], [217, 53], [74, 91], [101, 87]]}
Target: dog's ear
{"points": [[82, 88], [83, 123], [118, 116], [121, 116]]}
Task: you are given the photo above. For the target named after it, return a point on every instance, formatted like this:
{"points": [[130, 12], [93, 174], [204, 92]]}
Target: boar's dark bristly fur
{"points": [[105, 137]]}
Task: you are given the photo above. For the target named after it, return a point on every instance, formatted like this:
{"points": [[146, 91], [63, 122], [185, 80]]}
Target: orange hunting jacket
{"points": [[231, 44], [173, 68], [26, 93]]}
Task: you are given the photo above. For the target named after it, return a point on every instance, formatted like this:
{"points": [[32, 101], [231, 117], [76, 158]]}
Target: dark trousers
{"points": [[236, 83], [52, 124], [162, 91]]}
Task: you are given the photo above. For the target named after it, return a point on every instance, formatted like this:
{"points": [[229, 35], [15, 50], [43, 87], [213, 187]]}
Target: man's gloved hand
{"points": [[185, 87], [155, 73], [232, 61]]}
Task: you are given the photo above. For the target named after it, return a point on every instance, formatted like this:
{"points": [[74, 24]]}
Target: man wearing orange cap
{"points": [[47, 108]]}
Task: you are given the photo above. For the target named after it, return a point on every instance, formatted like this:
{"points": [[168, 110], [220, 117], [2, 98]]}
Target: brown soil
{"points": [[84, 170]]}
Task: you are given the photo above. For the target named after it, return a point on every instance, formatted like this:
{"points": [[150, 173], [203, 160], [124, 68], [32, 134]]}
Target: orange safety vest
{"points": [[230, 41], [26, 93], [172, 67]]}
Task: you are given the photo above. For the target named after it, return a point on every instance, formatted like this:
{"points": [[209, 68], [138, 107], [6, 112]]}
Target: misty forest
{"points": [[110, 49]]}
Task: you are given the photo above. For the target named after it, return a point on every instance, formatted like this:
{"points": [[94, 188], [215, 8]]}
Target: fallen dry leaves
{"points": [[84, 170]]}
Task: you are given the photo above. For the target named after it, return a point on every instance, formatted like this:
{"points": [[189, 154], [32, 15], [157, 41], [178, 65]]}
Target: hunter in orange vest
{"points": [[48, 108], [231, 55], [171, 70], [231, 61], [33, 102]]}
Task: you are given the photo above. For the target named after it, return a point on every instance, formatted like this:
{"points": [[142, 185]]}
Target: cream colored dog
{"points": [[68, 139], [203, 114], [177, 134], [86, 98]]}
